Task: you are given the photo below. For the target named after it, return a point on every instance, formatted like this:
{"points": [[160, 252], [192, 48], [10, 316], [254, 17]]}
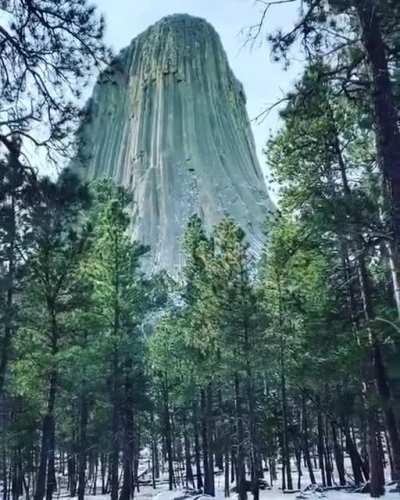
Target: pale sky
{"points": [[264, 81]]}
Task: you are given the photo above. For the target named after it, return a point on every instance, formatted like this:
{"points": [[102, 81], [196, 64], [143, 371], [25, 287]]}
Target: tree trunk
{"points": [[240, 457], [377, 483], [377, 369], [386, 125], [188, 463], [355, 458], [103, 470], [71, 466], [115, 421], [51, 471], [47, 440], [328, 457], [250, 392], [285, 436], [96, 473], [320, 447], [209, 405], [226, 475], [168, 440], [199, 479], [306, 446], [390, 419], [286, 467], [298, 465], [82, 447], [389, 452], [339, 458], [128, 433]]}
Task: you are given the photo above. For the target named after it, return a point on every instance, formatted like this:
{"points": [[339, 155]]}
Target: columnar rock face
{"points": [[168, 121]]}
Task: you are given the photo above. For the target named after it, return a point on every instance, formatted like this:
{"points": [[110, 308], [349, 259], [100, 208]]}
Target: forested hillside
{"points": [[248, 376]]}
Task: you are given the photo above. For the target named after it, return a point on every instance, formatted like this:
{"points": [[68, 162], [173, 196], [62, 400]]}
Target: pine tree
{"points": [[119, 301], [56, 247]]}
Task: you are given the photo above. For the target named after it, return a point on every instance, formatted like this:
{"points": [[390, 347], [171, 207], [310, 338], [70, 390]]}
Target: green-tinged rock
{"points": [[168, 121]]}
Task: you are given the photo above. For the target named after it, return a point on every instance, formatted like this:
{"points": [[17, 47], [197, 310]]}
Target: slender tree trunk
{"points": [[377, 484], [250, 393], [103, 470], [298, 465], [188, 463], [82, 447], [240, 457], [136, 452], [328, 457], [168, 440], [96, 473], [47, 440], [285, 435], [320, 447], [283, 462], [51, 471], [389, 452], [71, 465], [306, 446], [205, 442], [83, 423], [233, 465], [286, 467], [219, 434], [199, 479], [226, 475], [394, 272], [338, 453], [128, 433], [5, 474], [356, 461], [209, 412], [115, 425], [154, 452]]}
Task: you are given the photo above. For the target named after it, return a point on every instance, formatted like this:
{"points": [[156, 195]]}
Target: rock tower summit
{"points": [[168, 121]]}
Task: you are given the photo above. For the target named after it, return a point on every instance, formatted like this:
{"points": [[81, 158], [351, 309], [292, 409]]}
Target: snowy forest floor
{"points": [[161, 492], [306, 492]]}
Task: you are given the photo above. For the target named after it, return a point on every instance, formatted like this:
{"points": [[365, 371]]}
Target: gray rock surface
{"points": [[168, 121]]}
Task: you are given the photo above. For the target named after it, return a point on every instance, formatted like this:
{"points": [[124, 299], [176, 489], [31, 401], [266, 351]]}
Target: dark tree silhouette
{"points": [[48, 50]]}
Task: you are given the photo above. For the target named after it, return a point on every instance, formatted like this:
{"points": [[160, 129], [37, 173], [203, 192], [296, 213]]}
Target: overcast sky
{"points": [[264, 81]]}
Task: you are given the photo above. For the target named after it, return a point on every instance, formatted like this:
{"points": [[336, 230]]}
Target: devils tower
{"points": [[168, 121]]}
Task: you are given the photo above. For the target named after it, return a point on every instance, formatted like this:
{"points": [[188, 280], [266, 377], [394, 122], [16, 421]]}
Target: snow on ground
{"points": [[327, 495], [270, 494], [162, 493], [275, 494]]}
